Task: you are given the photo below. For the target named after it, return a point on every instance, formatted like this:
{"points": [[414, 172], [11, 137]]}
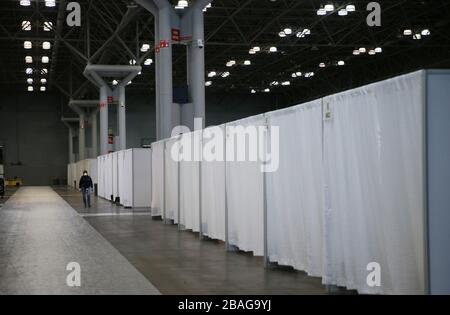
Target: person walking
{"points": [[86, 186]]}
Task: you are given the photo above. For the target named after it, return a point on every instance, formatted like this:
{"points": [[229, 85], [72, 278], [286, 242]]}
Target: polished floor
{"points": [[41, 236], [123, 250]]}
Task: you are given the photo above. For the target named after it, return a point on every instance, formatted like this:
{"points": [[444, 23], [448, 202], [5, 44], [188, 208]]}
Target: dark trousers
{"points": [[86, 197]]}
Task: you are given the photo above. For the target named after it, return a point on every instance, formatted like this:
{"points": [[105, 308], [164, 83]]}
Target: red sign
{"points": [[102, 105], [176, 35], [157, 50], [164, 44], [110, 99]]}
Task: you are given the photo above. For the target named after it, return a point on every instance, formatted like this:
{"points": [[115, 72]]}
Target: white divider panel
{"points": [[374, 210], [124, 175], [213, 185], [295, 190], [245, 196], [142, 178], [101, 177], [157, 178], [93, 170], [115, 175], [108, 169], [190, 184], [171, 182]]}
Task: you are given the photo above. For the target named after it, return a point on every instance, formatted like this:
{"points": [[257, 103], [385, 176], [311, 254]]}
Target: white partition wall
{"points": [[108, 175], [245, 196], [373, 142], [157, 178], [124, 170], [93, 170], [171, 182], [115, 176], [294, 190], [136, 180], [190, 184], [213, 185], [101, 176]]}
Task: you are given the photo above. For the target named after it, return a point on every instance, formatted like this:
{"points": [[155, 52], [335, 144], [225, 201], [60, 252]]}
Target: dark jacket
{"points": [[2, 186], [86, 182]]}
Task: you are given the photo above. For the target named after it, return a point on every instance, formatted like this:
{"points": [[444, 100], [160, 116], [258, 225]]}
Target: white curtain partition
{"points": [[294, 191], [125, 184], [190, 183], [374, 204], [171, 183], [101, 185], [245, 197], [213, 184], [115, 175], [157, 178], [108, 175]]}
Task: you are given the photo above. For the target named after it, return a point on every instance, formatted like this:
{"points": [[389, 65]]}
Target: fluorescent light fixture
{"points": [[46, 45], [208, 83], [115, 82], [322, 65], [212, 74], [378, 50], [294, 75], [356, 52], [43, 88], [407, 32], [50, 3], [252, 51], [30, 81], [26, 25], [342, 12], [288, 31], [309, 74], [29, 59], [275, 83], [44, 71], [417, 36], [253, 91], [282, 34], [25, 3], [48, 26], [426, 32], [299, 74], [329, 7], [231, 63], [257, 49], [350, 8], [372, 52], [27, 45], [43, 81], [30, 89], [247, 63], [273, 49], [29, 71], [266, 90], [45, 59], [362, 50], [286, 83], [148, 62], [341, 63], [225, 74], [321, 12], [129, 83], [145, 48]]}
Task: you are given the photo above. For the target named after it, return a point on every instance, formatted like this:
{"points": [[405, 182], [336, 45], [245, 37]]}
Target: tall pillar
{"points": [[121, 119], [82, 138], [157, 104], [71, 157], [165, 72], [103, 120], [197, 64], [94, 134]]}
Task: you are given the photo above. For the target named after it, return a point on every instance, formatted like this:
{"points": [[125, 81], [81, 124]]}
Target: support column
{"points": [[71, 157], [157, 79], [82, 138], [103, 120], [165, 72], [121, 119], [94, 134], [197, 65]]}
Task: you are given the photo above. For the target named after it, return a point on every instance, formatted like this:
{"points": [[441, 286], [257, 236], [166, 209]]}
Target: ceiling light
{"points": [[225, 74], [43, 88], [26, 25], [148, 62], [342, 12], [30, 81], [247, 63], [25, 3], [27, 45], [282, 34], [309, 75], [48, 26], [417, 36], [212, 74], [341, 63], [45, 59], [50, 3], [378, 50], [44, 71], [253, 91], [350, 8], [322, 65], [294, 75], [208, 83], [231, 63], [29, 71], [257, 49], [286, 83], [356, 52], [132, 62], [145, 48], [46, 45], [182, 4], [43, 81], [372, 52], [426, 32], [273, 49], [299, 74], [266, 90], [129, 83], [407, 32], [275, 83], [115, 82], [251, 52], [362, 50], [29, 59], [321, 12], [30, 89], [288, 31], [329, 7]]}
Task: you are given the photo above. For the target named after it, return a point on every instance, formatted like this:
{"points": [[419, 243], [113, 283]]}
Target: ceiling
{"points": [[116, 30]]}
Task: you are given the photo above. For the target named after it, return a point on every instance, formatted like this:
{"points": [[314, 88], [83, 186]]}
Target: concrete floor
{"points": [[122, 251], [179, 263]]}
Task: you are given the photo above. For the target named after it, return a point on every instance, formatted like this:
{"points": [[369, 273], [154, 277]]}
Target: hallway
{"points": [[40, 234]]}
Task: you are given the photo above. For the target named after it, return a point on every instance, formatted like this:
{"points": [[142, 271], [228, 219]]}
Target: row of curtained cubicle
{"points": [[350, 189]]}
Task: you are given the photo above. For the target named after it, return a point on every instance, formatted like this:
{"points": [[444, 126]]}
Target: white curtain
{"points": [[374, 200], [100, 177], [213, 186], [115, 174], [245, 197], [171, 182], [157, 178], [294, 191], [109, 176], [126, 177], [190, 187]]}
